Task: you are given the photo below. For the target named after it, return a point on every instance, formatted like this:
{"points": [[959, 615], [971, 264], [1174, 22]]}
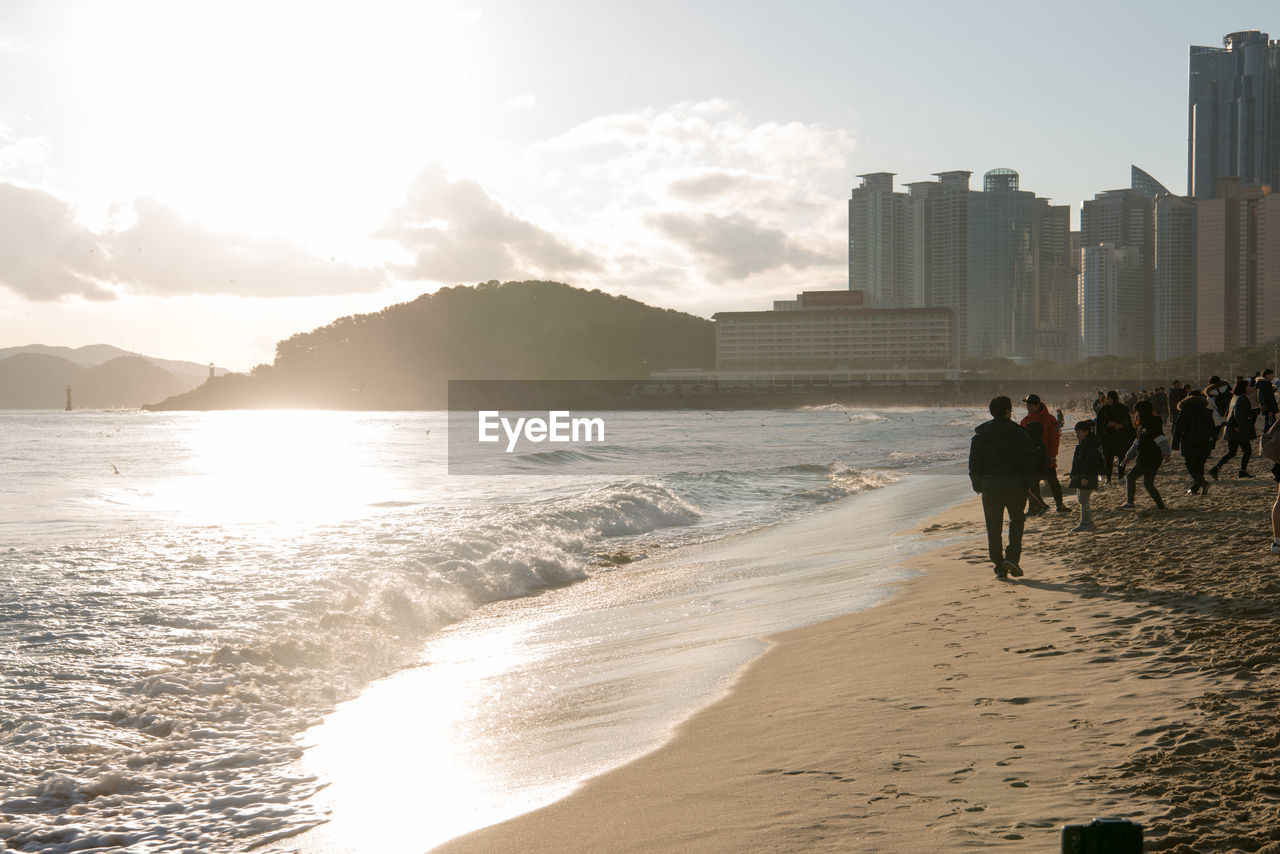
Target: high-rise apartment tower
{"points": [[1233, 113]]}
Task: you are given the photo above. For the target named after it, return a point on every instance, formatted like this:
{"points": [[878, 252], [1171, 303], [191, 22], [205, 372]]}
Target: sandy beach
{"points": [[1132, 673]]}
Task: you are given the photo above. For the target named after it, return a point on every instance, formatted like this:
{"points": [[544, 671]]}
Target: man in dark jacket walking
{"points": [[1001, 470], [1194, 435]]}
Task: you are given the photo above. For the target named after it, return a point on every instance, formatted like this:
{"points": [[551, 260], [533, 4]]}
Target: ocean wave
{"points": [[759, 492], [969, 419], [844, 481], [162, 671], [246, 648], [921, 459], [856, 416], [560, 456]]}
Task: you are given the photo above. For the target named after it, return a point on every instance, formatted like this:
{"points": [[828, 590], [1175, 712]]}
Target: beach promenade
{"points": [[1132, 672]]}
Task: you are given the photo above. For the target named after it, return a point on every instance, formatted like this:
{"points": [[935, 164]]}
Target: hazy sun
{"points": [[301, 118]]}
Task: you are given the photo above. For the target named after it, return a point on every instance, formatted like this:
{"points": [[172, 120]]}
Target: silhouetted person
{"points": [[1000, 468], [1240, 432], [1218, 393], [1267, 398], [1275, 524], [1194, 435], [1038, 412], [1176, 395], [1035, 504], [1115, 430], [1086, 467], [1145, 454]]}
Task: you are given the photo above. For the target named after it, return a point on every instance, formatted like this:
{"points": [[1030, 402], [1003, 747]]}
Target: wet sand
{"points": [[1132, 672]]}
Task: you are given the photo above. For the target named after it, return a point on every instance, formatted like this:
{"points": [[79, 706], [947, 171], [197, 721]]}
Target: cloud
{"points": [[164, 253], [456, 232], [735, 246], [702, 188], [44, 253], [714, 134], [20, 152], [523, 102], [47, 254]]}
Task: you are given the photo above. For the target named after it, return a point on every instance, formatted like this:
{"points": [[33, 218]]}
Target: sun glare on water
{"points": [[274, 467], [419, 758]]}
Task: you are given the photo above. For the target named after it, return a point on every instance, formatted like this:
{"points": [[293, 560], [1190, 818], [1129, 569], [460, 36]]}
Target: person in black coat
{"points": [[1176, 395], [1115, 431], [1194, 435], [1001, 470], [1267, 398], [1039, 456], [1086, 468], [1147, 454], [1240, 431]]}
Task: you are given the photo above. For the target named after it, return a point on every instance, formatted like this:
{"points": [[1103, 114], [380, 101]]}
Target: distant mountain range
{"points": [[93, 355], [403, 356], [100, 376]]}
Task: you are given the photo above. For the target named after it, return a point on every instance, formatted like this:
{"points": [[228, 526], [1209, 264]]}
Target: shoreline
{"points": [[642, 653], [1115, 679]]}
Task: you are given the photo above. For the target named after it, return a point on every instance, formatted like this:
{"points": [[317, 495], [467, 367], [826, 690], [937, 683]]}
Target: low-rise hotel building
{"points": [[830, 337]]}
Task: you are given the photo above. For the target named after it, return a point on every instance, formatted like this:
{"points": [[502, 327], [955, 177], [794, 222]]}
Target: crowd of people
{"points": [[1125, 440]]}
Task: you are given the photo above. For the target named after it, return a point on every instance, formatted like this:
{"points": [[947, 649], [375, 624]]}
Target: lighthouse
{"points": [[68, 398]]}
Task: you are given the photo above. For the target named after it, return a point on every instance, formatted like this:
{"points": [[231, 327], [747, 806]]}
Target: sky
{"points": [[201, 180]]}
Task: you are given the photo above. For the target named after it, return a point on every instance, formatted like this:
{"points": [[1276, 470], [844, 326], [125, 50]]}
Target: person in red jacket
{"points": [[1037, 411]]}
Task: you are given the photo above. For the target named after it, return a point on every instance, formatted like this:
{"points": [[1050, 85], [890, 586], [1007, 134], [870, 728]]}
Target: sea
{"points": [[306, 631]]}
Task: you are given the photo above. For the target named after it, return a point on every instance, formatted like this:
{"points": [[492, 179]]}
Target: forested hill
{"points": [[403, 356]]}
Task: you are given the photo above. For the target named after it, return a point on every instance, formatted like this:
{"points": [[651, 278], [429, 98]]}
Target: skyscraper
{"points": [[1001, 260], [879, 258], [1233, 113], [1002, 269], [1056, 310], [1142, 183], [1174, 283], [918, 195], [1125, 218], [947, 251], [1238, 267], [1111, 301]]}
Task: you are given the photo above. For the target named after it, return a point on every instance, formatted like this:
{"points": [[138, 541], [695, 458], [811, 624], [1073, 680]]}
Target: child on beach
{"points": [[1086, 465]]}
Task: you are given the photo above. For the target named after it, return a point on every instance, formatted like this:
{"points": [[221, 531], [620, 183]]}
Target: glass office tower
{"points": [[1233, 113]]}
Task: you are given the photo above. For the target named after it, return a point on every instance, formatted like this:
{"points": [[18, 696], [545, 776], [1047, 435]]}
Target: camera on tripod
{"points": [[1102, 836]]}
